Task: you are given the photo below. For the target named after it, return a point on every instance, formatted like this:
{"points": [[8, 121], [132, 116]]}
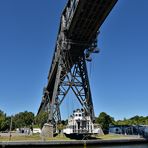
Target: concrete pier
{"points": [[47, 131]]}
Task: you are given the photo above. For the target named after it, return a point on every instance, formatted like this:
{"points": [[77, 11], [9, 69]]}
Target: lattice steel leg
{"points": [[75, 79]]}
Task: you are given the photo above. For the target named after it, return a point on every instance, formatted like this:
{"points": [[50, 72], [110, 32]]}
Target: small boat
{"points": [[80, 126]]}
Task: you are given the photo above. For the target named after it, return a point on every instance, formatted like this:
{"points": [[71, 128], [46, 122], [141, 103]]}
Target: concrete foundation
{"points": [[47, 131]]}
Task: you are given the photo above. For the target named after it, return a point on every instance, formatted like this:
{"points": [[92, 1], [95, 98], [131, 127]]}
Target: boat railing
{"points": [[81, 131]]}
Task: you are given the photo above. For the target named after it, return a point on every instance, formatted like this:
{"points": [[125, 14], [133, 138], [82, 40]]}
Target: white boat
{"points": [[80, 126]]}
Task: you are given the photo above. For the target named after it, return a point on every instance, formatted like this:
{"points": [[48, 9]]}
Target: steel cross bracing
{"points": [[77, 80], [76, 40], [70, 77]]}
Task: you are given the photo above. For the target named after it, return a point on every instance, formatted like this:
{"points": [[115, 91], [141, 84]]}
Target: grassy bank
{"points": [[114, 136], [59, 137], [35, 137]]}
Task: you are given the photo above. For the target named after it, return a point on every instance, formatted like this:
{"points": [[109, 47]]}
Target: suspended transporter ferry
{"points": [[80, 126]]}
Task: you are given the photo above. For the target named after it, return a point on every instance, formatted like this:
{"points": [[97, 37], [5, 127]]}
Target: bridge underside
{"points": [[80, 22]]}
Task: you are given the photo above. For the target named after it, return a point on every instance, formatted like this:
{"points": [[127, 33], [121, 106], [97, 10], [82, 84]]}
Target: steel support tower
{"points": [[76, 41]]}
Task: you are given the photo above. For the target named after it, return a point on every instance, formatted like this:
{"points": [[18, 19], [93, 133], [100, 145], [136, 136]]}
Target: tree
{"points": [[2, 118], [5, 126], [23, 119], [62, 125], [41, 118], [105, 120]]}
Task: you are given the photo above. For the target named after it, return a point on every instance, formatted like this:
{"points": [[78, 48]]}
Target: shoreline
{"points": [[64, 143]]}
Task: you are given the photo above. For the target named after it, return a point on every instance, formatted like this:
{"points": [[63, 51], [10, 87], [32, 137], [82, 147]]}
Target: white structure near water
{"points": [[80, 125]]}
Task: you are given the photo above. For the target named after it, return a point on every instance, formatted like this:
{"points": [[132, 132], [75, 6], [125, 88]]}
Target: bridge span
{"points": [[76, 40]]}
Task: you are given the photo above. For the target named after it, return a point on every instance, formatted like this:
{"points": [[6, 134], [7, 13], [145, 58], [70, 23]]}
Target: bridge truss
{"points": [[77, 39]]}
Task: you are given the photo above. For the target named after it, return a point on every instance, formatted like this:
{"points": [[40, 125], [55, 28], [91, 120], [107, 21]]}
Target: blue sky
{"points": [[119, 74]]}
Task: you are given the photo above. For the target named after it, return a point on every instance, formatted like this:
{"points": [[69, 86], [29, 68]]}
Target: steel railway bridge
{"points": [[76, 41]]}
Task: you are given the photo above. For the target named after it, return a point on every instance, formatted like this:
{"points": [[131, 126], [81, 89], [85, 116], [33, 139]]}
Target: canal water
{"points": [[121, 146], [85, 146], [115, 146]]}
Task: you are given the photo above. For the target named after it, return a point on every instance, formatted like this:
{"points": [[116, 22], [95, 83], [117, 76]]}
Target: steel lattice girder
{"points": [[75, 79], [79, 29]]}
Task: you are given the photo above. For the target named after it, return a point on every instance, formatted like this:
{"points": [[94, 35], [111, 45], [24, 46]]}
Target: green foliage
{"points": [[2, 119], [6, 124], [23, 119], [60, 126], [105, 120], [41, 118], [36, 126], [26, 119], [136, 120]]}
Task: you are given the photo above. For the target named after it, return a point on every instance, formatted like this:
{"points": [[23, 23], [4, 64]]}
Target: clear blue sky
{"points": [[119, 74]]}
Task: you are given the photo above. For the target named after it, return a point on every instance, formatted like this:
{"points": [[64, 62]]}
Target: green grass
{"points": [[114, 136], [36, 137], [21, 138]]}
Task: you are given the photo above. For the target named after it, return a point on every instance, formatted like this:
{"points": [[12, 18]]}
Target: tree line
{"points": [[106, 120], [22, 119], [28, 119]]}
